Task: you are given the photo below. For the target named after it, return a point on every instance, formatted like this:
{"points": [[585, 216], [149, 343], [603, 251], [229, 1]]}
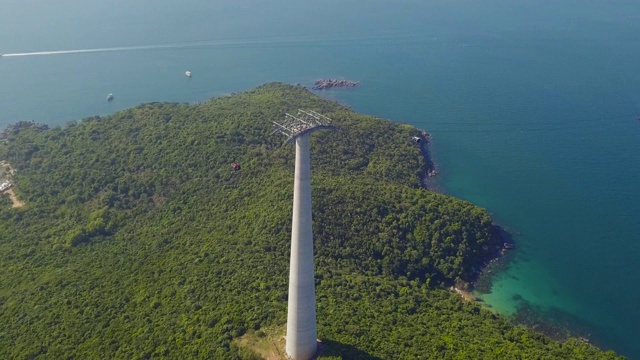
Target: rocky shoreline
{"points": [[497, 258], [323, 84], [423, 139], [19, 126], [499, 255]]}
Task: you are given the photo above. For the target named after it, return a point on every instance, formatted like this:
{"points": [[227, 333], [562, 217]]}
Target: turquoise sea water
{"points": [[532, 106]]}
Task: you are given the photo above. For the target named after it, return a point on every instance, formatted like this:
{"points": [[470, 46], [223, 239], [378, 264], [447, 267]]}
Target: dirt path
{"points": [[14, 199]]}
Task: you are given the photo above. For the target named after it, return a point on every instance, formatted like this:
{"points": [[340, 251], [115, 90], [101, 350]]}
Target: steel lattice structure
{"points": [[304, 122]]}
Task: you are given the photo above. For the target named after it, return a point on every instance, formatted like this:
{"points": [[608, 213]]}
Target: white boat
{"points": [[188, 73], [109, 97]]}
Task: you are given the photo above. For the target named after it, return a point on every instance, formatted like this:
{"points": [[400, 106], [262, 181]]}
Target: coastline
{"points": [[498, 260], [555, 324], [558, 326], [423, 139]]}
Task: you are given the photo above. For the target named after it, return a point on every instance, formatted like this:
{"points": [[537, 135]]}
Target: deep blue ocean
{"points": [[532, 106]]}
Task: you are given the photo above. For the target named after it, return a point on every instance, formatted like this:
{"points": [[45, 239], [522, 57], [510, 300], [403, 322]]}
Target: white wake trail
{"points": [[270, 41], [190, 44], [111, 49]]}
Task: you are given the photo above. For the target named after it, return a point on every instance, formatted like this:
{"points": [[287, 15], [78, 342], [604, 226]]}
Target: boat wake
{"points": [[294, 40], [98, 50]]}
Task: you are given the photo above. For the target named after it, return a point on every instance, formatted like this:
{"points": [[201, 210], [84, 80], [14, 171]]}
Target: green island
{"points": [[138, 240]]}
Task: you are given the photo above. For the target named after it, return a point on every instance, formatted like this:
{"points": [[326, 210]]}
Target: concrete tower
{"points": [[301, 339]]}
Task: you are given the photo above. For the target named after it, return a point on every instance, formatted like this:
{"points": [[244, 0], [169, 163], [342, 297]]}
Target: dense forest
{"points": [[138, 239]]}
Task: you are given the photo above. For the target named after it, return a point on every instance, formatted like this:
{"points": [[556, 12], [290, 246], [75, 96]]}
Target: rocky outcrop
{"points": [[423, 139], [21, 125], [323, 84]]}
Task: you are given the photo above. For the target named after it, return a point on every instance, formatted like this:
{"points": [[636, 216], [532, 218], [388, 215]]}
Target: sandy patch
{"points": [[467, 295], [14, 199]]}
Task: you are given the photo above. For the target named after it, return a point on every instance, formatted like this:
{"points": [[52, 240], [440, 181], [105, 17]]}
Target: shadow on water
{"points": [[332, 348], [499, 262], [554, 322]]}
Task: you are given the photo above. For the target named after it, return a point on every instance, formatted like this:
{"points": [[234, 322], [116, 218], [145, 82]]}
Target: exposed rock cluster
{"points": [[21, 125], [323, 84]]}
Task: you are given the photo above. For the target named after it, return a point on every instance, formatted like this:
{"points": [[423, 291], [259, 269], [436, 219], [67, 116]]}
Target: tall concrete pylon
{"points": [[301, 338]]}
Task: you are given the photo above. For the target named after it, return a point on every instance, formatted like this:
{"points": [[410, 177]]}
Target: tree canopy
{"points": [[139, 240]]}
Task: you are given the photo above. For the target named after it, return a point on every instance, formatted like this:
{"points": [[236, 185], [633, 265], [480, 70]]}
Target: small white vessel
{"points": [[109, 97], [188, 73]]}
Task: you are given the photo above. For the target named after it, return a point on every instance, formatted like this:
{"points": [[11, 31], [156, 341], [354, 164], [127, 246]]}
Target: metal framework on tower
{"points": [[302, 123]]}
